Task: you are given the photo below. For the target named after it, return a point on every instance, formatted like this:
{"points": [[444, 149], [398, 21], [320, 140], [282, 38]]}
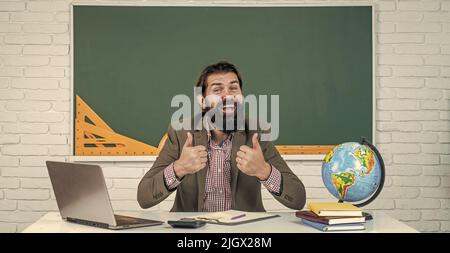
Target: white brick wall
{"points": [[413, 114]]}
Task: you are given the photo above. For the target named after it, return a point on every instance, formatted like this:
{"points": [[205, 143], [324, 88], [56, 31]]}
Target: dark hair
{"points": [[220, 67]]}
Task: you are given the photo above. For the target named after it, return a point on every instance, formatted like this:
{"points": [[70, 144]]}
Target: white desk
{"points": [[287, 223]]}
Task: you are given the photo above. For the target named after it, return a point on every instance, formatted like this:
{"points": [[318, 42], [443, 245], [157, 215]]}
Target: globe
{"points": [[353, 172]]}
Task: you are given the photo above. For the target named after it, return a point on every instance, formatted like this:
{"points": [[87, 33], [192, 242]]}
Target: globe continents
{"points": [[351, 172]]}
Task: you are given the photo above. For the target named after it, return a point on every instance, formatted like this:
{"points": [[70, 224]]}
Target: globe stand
{"points": [[368, 216]]}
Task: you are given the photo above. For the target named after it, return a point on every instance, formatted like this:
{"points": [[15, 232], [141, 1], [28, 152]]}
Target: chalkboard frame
{"points": [[288, 157]]}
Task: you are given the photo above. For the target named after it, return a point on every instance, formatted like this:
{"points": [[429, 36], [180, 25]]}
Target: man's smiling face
{"points": [[225, 88]]}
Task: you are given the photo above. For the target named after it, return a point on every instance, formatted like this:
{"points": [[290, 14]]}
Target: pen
{"points": [[238, 216]]}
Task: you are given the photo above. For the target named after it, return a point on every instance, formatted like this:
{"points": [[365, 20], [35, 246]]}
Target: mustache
{"points": [[223, 125], [221, 105]]}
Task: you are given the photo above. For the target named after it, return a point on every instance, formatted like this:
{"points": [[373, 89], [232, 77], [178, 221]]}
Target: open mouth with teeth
{"points": [[229, 109]]}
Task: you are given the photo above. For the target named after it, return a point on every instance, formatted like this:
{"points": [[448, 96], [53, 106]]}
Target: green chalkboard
{"points": [[130, 61]]}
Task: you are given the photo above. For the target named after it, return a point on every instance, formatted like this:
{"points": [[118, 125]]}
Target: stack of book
{"points": [[327, 216]]}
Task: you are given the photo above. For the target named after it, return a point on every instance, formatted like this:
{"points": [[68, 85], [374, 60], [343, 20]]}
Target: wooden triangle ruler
{"points": [[93, 137]]}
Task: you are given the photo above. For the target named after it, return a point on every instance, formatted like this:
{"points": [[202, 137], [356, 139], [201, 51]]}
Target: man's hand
{"points": [[192, 159], [251, 160]]}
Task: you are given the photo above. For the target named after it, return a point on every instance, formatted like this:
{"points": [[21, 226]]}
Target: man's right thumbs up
{"points": [[189, 140], [192, 159]]}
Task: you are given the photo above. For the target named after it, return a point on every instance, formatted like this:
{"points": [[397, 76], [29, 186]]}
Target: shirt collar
{"points": [[229, 137]]}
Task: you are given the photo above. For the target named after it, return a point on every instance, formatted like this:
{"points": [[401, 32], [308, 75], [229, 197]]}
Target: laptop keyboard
{"points": [[127, 220]]}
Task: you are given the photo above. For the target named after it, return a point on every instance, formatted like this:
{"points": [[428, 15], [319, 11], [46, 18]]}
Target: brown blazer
{"points": [[245, 190]]}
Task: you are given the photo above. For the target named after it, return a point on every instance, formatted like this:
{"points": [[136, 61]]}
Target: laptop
{"points": [[83, 198]]}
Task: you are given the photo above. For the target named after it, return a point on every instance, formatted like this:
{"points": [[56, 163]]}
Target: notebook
{"points": [[233, 217], [334, 209], [328, 220], [340, 227]]}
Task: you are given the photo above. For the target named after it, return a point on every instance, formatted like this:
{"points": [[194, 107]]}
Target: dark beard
{"points": [[225, 119]]}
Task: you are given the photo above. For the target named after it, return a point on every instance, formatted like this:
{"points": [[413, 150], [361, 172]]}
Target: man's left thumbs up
{"points": [[251, 160], [255, 142]]}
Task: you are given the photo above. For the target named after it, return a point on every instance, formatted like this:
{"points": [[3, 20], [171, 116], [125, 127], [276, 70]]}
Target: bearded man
{"points": [[223, 165]]}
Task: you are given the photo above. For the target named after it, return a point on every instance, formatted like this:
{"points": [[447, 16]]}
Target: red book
{"points": [[329, 220]]}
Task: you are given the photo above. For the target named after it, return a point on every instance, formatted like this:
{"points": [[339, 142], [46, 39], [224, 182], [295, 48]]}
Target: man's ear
{"points": [[201, 101], [239, 98]]}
